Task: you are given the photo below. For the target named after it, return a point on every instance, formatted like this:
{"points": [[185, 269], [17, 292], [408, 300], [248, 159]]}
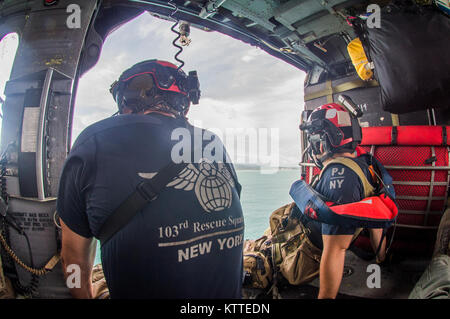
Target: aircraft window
{"points": [[244, 92]]}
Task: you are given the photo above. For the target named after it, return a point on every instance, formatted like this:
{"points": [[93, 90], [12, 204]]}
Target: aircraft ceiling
{"points": [[303, 33]]}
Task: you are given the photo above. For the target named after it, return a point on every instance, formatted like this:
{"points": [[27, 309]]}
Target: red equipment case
{"points": [[417, 157]]}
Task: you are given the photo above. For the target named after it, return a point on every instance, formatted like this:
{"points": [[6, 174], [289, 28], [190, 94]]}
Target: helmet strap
{"points": [[323, 158], [326, 153]]}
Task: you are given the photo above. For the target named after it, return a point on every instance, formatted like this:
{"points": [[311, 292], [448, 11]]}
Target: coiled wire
{"points": [[174, 42]]}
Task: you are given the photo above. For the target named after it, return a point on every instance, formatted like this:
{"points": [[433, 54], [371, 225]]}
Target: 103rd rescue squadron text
{"points": [[202, 243]]}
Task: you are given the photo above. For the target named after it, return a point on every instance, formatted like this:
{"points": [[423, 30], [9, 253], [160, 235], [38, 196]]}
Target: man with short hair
{"points": [[163, 234]]}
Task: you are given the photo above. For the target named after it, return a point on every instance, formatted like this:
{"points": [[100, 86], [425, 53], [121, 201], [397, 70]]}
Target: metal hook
{"points": [[185, 30]]}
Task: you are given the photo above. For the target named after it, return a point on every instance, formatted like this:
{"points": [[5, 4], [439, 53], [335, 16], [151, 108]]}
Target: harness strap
{"points": [[394, 135], [444, 135], [369, 190], [383, 235], [346, 86], [145, 192]]}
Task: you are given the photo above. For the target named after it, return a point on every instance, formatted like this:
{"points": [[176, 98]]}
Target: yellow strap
{"points": [[356, 234], [330, 90], [369, 190], [347, 86], [395, 120], [276, 254], [52, 262], [36, 271]]}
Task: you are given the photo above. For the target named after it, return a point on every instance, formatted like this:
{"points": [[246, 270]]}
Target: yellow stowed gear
{"points": [[359, 59]]}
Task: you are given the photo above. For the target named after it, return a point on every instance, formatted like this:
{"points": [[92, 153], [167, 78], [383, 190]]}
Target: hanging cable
{"points": [[174, 42], [8, 221]]}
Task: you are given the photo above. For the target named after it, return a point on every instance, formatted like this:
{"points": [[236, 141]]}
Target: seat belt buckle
{"points": [[146, 191]]}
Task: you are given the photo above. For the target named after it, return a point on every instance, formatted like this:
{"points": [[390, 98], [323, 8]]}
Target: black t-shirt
{"points": [[341, 185], [185, 244]]}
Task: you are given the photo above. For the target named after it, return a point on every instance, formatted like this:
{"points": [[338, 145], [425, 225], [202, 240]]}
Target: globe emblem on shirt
{"points": [[214, 192], [211, 183]]}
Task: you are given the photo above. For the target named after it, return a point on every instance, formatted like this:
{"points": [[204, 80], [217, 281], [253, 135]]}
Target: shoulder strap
{"points": [[145, 192], [369, 190], [237, 185]]}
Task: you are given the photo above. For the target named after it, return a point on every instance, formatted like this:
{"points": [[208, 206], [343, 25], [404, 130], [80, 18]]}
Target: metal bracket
{"points": [[210, 8]]}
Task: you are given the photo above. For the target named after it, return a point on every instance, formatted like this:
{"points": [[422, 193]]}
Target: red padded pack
{"points": [[417, 158]]}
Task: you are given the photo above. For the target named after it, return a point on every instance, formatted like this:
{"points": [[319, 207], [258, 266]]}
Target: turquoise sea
{"points": [[261, 195]]}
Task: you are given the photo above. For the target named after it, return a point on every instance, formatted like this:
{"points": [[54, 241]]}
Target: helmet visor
{"points": [[165, 78], [142, 83], [321, 128], [139, 91]]}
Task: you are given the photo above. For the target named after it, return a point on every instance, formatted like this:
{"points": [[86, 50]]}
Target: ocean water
{"points": [[261, 195]]}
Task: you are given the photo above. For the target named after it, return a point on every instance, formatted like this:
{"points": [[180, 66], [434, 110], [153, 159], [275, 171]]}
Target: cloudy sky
{"points": [[8, 47], [242, 86]]}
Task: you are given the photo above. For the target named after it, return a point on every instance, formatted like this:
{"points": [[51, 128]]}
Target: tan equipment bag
{"points": [[284, 248], [294, 256], [257, 263]]}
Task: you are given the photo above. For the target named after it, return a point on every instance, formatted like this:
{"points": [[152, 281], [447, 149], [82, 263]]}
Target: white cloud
{"points": [[8, 48], [252, 54], [242, 86]]}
